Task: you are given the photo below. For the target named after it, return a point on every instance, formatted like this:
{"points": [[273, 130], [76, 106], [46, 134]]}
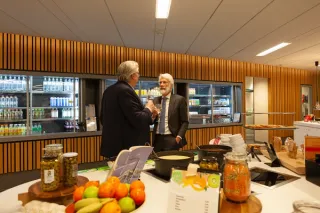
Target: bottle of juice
{"points": [[6, 130]]}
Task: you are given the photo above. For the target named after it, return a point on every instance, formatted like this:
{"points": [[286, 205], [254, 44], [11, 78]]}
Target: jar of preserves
{"points": [[56, 150], [209, 163], [236, 177], [70, 168], [50, 173]]}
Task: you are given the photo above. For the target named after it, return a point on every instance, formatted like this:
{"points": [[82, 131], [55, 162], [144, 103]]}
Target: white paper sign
{"points": [[190, 194]]}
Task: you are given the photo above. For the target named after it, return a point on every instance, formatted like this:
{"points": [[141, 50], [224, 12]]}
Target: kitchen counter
{"points": [[278, 199], [304, 129]]}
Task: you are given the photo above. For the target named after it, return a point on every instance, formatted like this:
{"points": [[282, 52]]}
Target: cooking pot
{"points": [[163, 167], [217, 151]]}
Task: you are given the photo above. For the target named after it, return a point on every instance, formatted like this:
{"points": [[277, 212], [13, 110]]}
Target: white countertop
{"points": [[308, 124], [278, 200]]}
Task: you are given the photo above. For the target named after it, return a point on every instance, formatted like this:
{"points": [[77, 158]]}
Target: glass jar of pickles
{"points": [[50, 173], [236, 177], [70, 168], [209, 163]]}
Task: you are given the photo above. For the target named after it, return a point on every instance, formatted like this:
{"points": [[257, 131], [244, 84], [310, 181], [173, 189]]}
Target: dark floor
{"points": [[10, 180]]}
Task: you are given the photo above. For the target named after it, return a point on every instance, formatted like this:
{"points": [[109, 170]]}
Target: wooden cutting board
{"points": [[252, 205], [296, 165]]}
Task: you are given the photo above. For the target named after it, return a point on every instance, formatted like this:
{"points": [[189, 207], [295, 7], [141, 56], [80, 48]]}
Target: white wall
{"points": [[261, 105]]}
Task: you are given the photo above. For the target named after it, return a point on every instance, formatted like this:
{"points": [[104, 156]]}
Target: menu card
{"points": [[194, 192]]}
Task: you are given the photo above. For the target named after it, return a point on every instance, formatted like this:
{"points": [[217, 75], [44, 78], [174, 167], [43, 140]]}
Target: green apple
{"points": [[127, 204], [91, 192]]}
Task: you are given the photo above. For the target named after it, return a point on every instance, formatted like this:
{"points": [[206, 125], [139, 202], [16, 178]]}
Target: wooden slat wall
{"points": [[23, 156], [27, 53]]}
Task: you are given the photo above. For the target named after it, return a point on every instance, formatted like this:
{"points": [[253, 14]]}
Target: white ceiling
{"points": [[229, 29]]}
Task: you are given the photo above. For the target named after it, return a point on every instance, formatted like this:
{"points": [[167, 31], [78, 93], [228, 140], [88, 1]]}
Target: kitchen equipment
{"points": [[163, 167]]}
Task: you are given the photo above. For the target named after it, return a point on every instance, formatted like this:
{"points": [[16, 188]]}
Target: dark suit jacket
{"points": [[177, 117], [125, 120]]}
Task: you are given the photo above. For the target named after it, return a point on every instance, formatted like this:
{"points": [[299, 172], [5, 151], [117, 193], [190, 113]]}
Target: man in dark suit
{"points": [[125, 120], [172, 123]]}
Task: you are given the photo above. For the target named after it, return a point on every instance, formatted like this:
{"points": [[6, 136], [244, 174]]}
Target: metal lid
{"points": [[70, 154], [209, 159]]}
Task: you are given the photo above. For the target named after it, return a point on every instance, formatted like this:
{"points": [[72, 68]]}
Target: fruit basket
{"points": [[110, 196]]}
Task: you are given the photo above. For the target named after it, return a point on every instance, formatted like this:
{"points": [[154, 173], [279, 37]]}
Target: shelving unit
{"points": [[271, 126]]}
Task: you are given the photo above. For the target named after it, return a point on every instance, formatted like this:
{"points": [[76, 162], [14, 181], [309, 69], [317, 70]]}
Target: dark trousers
{"points": [[165, 143]]}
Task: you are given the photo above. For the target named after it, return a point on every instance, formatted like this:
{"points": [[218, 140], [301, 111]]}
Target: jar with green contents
{"points": [[56, 150], [50, 173], [70, 168]]}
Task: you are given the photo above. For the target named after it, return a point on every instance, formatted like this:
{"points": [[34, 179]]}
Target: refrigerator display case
{"points": [[13, 105], [54, 104], [214, 103], [145, 89], [306, 100]]}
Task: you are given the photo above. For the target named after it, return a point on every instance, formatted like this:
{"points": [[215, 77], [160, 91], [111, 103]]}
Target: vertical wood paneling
{"points": [[20, 52]]}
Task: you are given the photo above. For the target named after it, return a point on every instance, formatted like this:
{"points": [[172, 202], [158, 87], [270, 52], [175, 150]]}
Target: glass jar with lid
{"points": [[50, 173], [70, 167], [56, 150], [210, 163], [236, 177]]}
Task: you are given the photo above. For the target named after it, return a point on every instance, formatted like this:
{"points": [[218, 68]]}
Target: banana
{"points": [[92, 208], [106, 200], [85, 202]]}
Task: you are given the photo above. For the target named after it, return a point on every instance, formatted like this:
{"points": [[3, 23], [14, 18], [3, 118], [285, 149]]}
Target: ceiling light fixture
{"points": [[272, 49], [162, 8]]}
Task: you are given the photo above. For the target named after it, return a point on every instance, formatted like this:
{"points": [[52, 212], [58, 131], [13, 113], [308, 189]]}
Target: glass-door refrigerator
{"points": [[13, 105], [200, 103], [54, 104], [222, 103]]}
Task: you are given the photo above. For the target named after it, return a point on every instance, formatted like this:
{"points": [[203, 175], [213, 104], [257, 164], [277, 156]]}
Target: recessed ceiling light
{"points": [[162, 9], [272, 49]]}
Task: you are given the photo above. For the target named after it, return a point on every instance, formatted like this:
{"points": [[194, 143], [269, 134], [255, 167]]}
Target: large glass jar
{"points": [[56, 150], [236, 177], [50, 173], [70, 167]]}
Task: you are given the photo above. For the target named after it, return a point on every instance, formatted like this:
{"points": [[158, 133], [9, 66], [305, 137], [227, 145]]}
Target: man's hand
{"points": [[150, 105], [178, 139]]}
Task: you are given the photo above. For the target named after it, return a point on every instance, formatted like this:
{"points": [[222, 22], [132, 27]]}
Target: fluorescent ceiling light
{"points": [[162, 8], [272, 49]]}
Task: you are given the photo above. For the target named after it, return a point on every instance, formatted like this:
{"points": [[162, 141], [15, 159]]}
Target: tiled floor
{"points": [[10, 180]]}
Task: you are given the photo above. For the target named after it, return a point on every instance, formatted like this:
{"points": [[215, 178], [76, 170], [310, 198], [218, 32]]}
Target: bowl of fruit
{"points": [[111, 196]]}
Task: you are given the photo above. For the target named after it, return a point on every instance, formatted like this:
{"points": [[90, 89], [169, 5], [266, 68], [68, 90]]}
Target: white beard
{"points": [[165, 91]]}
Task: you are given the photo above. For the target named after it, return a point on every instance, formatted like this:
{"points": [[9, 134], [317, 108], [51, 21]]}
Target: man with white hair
{"points": [[172, 123], [125, 120]]}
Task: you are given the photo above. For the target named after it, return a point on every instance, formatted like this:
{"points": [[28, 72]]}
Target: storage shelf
{"points": [[60, 107], [54, 92], [199, 95], [221, 105], [52, 119], [269, 113], [16, 92], [205, 105], [276, 128], [13, 107], [12, 121], [221, 96], [249, 90]]}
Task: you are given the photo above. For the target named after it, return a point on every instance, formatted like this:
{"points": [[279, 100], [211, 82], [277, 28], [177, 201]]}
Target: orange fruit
{"points": [[70, 208], [121, 191], [78, 193], [111, 207], [92, 183], [106, 190], [137, 184], [114, 180], [138, 195]]}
